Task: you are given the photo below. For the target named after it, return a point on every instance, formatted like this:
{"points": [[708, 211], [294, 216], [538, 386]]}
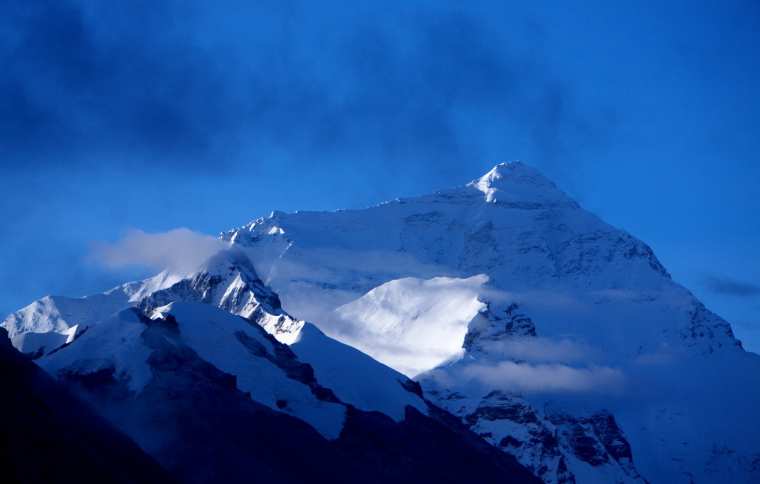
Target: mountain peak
{"points": [[504, 169], [518, 183], [228, 261]]}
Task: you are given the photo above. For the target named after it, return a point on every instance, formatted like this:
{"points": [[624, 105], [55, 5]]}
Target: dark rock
{"points": [[606, 428], [514, 411], [510, 441]]}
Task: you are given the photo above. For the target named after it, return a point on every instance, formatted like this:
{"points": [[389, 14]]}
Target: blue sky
{"points": [[201, 115]]}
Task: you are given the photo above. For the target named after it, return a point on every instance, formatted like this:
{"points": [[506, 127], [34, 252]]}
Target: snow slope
{"points": [[241, 348], [354, 378], [52, 321], [235, 346], [412, 324]]}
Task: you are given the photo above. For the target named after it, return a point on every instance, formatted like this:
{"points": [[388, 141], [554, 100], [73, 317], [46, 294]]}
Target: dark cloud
{"points": [[79, 84], [731, 287], [177, 84]]}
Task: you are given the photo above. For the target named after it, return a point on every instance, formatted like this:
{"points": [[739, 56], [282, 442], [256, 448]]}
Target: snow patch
{"points": [[178, 250], [412, 324]]}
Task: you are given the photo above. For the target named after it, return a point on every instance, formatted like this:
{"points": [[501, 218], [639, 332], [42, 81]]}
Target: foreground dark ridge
{"points": [[50, 436]]}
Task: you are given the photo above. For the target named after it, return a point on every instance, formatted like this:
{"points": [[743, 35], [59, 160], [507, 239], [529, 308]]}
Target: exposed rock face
{"points": [[493, 326], [707, 330], [609, 433], [546, 442], [229, 282]]}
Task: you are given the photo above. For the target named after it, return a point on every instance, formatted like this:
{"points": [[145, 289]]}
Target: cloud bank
{"points": [[181, 83]]}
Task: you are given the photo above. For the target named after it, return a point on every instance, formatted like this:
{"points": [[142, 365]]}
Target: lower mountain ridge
{"points": [[212, 397]]}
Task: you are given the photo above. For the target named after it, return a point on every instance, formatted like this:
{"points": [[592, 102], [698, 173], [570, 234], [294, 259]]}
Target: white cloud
{"points": [[536, 378], [178, 250]]}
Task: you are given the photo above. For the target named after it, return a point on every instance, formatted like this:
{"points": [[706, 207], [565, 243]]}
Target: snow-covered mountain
{"points": [[228, 281], [52, 321], [506, 294], [559, 339], [213, 397]]}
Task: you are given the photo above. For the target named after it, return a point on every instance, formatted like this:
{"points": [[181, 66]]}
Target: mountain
{"points": [[229, 281], [52, 321], [48, 435], [524, 320], [213, 397], [561, 339]]}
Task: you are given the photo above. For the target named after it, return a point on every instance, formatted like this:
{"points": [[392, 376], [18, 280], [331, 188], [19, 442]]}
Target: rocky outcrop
{"points": [[492, 325], [229, 282], [707, 331], [550, 444]]}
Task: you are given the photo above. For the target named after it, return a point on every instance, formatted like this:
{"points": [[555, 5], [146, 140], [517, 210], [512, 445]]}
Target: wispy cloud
{"points": [[210, 88], [731, 287], [516, 377], [177, 250], [541, 350]]}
